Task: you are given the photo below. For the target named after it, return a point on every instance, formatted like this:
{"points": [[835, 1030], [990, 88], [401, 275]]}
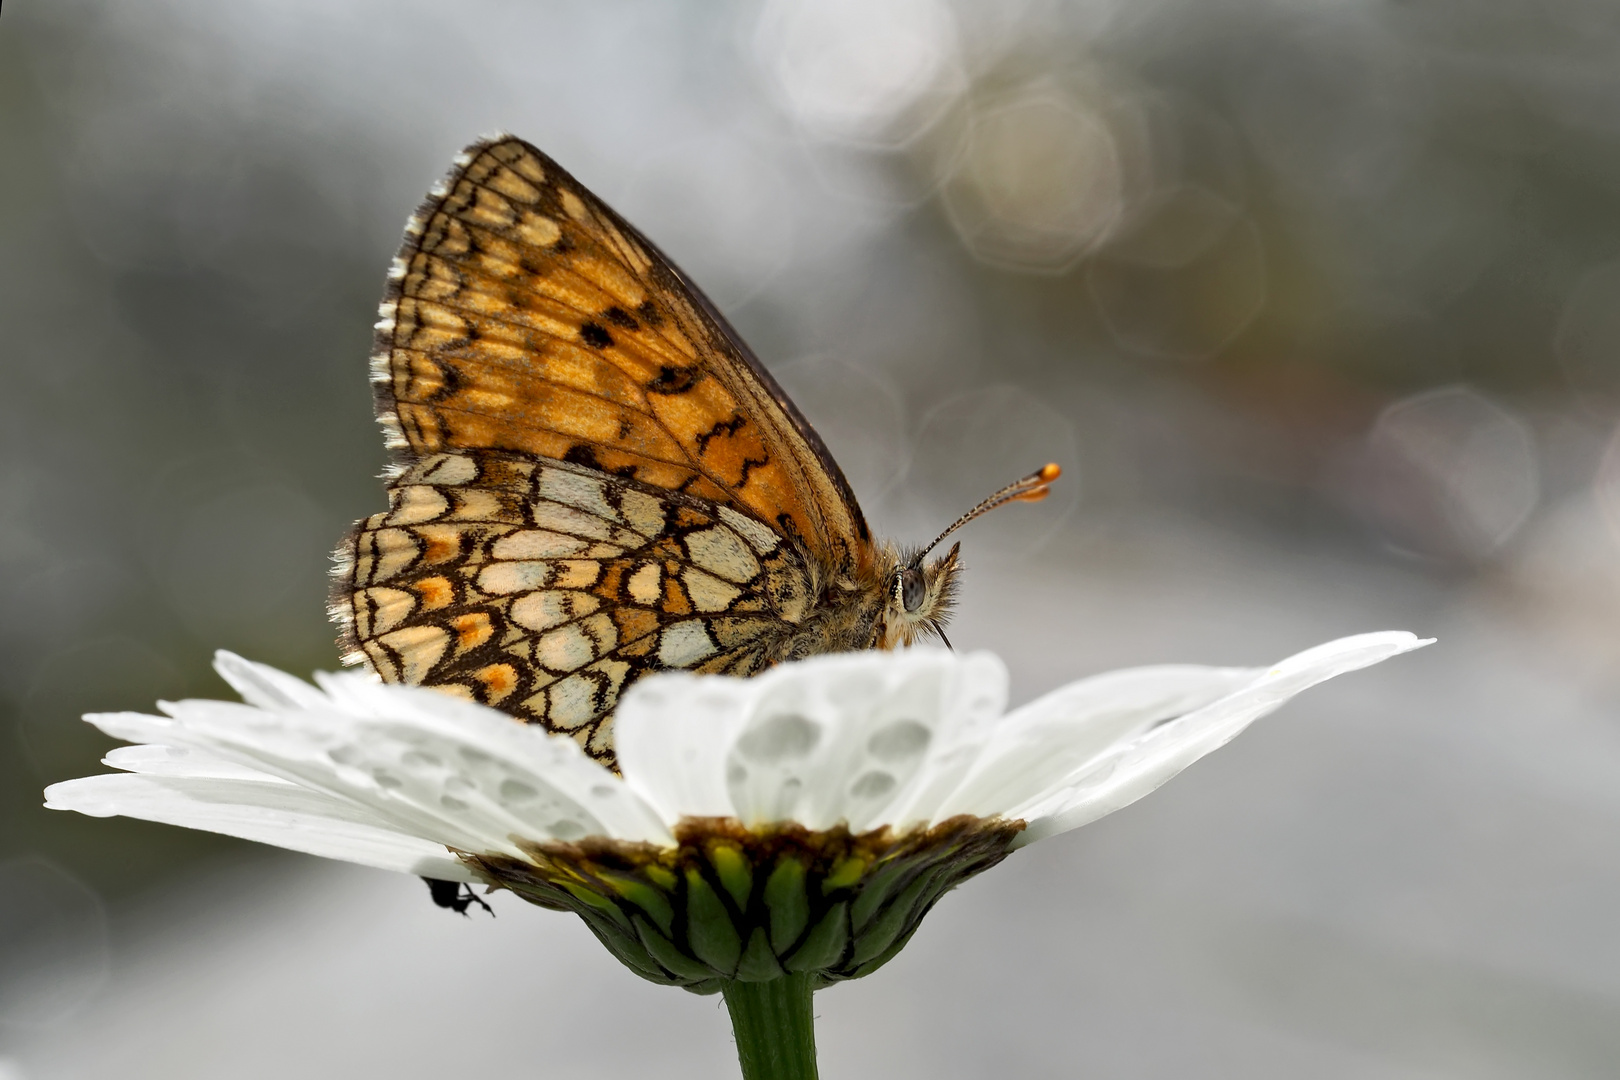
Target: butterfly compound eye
{"points": [[913, 590]]}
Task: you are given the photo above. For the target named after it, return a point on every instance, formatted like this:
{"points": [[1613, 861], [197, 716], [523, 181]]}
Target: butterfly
{"points": [[595, 478]]}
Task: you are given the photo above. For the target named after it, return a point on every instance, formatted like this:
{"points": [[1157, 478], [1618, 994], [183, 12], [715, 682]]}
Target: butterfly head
{"points": [[921, 595]]}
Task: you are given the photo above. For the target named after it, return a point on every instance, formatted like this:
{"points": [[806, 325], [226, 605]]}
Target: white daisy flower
{"points": [[797, 823]]}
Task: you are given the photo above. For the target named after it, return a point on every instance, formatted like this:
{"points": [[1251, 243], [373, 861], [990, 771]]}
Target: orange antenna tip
{"points": [[1032, 488]]}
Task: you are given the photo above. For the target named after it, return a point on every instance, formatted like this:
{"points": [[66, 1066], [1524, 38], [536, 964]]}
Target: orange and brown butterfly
{"points": [[595, 477]]}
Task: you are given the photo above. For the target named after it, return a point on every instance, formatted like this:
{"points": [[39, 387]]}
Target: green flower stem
{"points": [[775, 1027]]}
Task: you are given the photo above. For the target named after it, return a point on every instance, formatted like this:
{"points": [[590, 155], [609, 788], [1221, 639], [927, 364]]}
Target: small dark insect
{"points": [[456, 896]]}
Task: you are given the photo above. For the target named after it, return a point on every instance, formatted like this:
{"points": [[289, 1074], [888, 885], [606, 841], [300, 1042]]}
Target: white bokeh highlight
{"points": [[874, 72], [1039, 181], [1447, 474]]}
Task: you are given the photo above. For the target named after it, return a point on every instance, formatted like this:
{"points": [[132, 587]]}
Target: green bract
{"points": [[730, 903]]}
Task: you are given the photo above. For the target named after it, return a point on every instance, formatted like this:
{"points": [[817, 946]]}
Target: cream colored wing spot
{"points": [[451, 470], [565, 649], [574, 206], [537, 544], [384, 553], [416, 504], [708, 593], [570, 703], [646, 585], [504, 579], [581, 492], [603, 630], [575, 573], [541, 611], [685, 643], [600, 745], [478, 504], [418, 649], [566, 519], [513, 186], [538, 230], [642, 512], [758, 536], [523, 164], [382, 609], [722, 552]]}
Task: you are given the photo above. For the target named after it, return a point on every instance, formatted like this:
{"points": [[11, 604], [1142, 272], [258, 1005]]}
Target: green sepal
{"points": [[882, 931], [758, 963], [846, 873], [628, 949], [938, 885], [704, 988], [597, 902], [709, 929], [824, 946], [645, 897], [860, 971], [666, 953], [788, 903], [734, 872], [877, 887]]}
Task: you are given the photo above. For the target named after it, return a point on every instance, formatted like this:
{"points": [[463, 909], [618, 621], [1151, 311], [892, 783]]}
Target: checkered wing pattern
{"points": [[544, 587]]}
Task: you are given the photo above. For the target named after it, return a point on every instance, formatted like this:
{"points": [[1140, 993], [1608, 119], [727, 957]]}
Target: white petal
{"points": [[138, 727], [264, 686], [1137, 766], [671, 732], [269, 813], [857, 737], [970, 704], [448, 771], [461, 775], [152, 760], [1039, 745]]}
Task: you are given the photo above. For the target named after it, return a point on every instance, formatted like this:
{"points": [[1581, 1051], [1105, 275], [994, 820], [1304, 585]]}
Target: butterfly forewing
{"points": [[542, 587], [530, 317]]}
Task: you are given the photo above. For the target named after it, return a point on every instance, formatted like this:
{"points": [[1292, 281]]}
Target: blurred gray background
{"points": [[1318, 304]]}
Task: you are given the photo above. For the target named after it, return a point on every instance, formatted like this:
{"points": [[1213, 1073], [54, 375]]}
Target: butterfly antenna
{"points": [[1032, 488]]}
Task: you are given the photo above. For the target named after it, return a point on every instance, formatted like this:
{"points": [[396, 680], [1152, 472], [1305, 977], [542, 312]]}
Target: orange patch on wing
{"points": [[436, 592], [499, 681], [472, 630]]}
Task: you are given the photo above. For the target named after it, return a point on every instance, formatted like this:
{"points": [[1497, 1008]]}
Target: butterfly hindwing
{"points": [[525, 315], [543, 587]]}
